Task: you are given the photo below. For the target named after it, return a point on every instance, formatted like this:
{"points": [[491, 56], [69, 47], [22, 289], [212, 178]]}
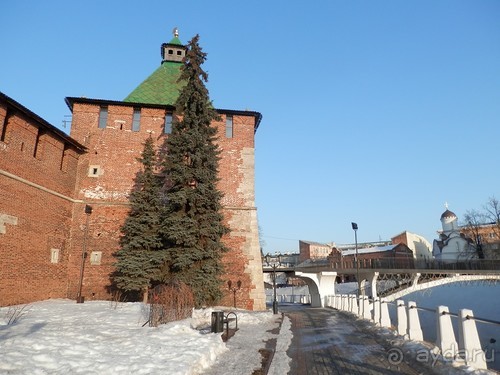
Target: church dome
{"points": [[449, 221], [448, 214]]}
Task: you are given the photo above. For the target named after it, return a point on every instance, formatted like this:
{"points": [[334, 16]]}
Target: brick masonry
{"points": [[46, 182], [35, 208]]}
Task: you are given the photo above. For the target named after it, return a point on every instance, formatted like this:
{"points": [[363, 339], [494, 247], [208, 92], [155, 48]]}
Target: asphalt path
{"points": [[327, 341]]}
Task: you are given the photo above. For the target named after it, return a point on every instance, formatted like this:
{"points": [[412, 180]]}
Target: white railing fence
{"points": [[407, 324]]}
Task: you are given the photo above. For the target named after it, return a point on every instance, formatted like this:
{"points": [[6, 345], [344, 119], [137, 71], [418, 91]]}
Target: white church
{"points": [[452, 246]]}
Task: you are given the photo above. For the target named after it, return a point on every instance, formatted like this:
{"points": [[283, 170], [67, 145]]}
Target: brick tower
{"points": [[113, 133]]}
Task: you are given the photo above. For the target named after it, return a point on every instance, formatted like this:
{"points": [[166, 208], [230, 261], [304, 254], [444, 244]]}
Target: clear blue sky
{"points": [[376, 112]]}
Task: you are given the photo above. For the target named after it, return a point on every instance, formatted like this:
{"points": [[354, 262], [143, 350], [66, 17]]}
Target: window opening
{"points": [[64, 157], [95, 257], [103, 117], [168, 124], [136, 122], [37, 149], [229, 126], [4, 127], [54, 255], [94, 171]]}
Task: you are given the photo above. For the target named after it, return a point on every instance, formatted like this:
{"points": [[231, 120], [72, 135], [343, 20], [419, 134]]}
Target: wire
{"points": [[281, 238]]}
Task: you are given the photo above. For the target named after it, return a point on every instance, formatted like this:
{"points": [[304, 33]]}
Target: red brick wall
{"points": [[400, 238], [41, 217], [115, 150], [304, 251], [49, 213], [45, 169], [312, 251]]}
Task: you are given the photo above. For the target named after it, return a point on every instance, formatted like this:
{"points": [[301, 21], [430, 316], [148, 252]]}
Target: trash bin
{"points": [[217, 321]]}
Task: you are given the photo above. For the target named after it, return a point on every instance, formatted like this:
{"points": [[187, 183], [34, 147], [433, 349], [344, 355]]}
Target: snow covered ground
{"points": [[100, 337]]}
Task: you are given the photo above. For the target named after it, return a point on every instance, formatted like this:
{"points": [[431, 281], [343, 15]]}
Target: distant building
{"points": [[285, 260], [488, 235], [313, 250], [452, 245], [289, 259], [422, 249], [394, 256]]}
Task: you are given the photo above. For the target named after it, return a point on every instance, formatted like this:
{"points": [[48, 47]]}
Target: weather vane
{"points": [[176, 32]]}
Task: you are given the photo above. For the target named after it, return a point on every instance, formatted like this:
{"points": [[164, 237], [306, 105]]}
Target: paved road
{"points": [[326, 341]]}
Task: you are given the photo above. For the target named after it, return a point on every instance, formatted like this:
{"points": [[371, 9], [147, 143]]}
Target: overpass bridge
{"points": [[322, 275]]}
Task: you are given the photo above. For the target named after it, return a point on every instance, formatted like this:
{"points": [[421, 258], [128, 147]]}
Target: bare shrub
{"points": [[15, 313], [117, 297], [170, 302]]}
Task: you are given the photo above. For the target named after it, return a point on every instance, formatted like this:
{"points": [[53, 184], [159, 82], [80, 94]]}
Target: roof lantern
{"points": [[174, 50]]}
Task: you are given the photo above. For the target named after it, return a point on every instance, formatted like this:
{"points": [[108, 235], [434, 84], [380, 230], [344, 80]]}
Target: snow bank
{"points": [[98, 337]]}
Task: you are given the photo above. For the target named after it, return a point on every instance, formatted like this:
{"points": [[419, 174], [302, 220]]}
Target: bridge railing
{"points": [[406, 323], [290, 298], [410, 263]]}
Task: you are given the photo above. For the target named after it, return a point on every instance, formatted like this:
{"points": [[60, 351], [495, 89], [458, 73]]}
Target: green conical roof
{"points": [[175, 40], [161, 87]]}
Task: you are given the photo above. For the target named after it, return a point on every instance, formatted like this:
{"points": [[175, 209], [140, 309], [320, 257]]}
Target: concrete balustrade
{"points": [[445, 336], [402, 320], [414, 328], [407, 319], [372, 279], [469, 344], [354, 305], [385, 320], [366, 308], [376, 311], [408, 325]]}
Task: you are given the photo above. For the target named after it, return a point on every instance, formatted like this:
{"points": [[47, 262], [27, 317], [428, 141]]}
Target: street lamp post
{"points": [[234, 289], [355, 228], [88, 211], [274, 265]]}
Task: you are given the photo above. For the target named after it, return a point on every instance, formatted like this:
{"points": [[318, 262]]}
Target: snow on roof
{"points": [[368, 250], [314, 243]]}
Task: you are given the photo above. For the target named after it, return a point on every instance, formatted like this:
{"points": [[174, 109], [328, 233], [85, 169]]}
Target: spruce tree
{"points": [[141, 251], [193, 222]]}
